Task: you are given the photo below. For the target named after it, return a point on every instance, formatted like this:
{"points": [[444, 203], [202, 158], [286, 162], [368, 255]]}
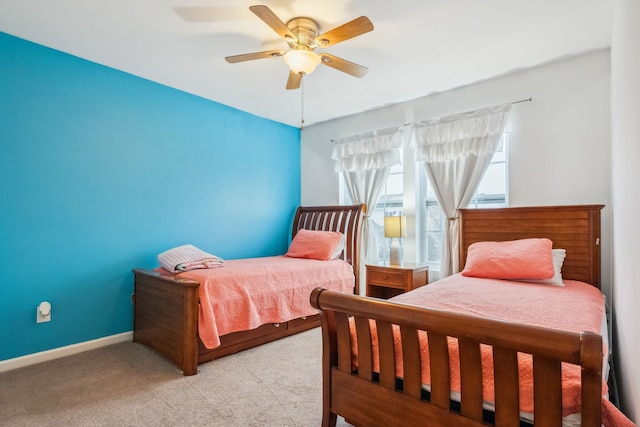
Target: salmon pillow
{"points": [[312, 244], [514, 259]]}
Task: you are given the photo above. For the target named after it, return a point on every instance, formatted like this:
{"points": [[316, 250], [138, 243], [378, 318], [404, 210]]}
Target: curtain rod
{"points": [[530, 99], [514, 102], [523, 100]]}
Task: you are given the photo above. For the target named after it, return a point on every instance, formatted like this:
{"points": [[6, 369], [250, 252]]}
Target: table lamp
{"points": [[395, 227]]}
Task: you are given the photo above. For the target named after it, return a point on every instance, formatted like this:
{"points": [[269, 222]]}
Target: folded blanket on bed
{"points": [[188, 257]]}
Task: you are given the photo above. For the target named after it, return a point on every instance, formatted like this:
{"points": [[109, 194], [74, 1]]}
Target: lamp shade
{"points": [[395, 226], [302, 61]]}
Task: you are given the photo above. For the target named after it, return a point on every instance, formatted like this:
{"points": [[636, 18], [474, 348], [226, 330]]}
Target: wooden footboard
{"points": [[166, 319], [368, 398]]}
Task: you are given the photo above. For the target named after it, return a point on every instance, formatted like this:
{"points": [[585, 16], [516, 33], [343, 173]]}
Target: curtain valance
{"points": [[371, 150], [460, 135]]}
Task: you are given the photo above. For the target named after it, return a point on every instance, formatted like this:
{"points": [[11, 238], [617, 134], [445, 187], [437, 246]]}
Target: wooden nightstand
{"points": [[386, 281]]}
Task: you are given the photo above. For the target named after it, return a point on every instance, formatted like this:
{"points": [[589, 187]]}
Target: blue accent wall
{"points": [[100, 171]]}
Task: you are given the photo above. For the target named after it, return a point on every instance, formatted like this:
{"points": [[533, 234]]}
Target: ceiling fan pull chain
{"points": [[302, 104]]}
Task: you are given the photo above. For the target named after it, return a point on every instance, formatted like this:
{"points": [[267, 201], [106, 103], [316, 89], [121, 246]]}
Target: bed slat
{"points": [[387, 355], [412, 372], [343, 335], [507, 390], [439, 369], [365, 356], [470, 379], [547, 391]]}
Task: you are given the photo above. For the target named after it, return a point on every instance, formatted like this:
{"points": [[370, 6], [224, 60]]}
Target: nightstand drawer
{"points": [[388, 279]]}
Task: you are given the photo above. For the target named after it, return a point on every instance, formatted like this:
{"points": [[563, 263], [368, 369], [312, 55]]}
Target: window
{"points": [[492, 192], [389, 204]]}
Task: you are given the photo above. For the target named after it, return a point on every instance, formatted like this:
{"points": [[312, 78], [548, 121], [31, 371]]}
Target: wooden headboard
{"points": [[574, 228], [344, 219]]}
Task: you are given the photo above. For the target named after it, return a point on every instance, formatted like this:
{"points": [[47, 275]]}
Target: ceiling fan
{"points": [[301, 34]]}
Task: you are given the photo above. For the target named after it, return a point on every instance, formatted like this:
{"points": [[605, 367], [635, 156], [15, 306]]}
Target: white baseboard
{"points": [[32, 359]]}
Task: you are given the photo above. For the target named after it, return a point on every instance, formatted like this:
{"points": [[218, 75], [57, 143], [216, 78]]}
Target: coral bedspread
{"points": [[575, 307], [247, 293]]}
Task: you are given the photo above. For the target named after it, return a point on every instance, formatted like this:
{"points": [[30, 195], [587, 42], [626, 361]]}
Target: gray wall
{"points": [[559, 146], [625, 161]]}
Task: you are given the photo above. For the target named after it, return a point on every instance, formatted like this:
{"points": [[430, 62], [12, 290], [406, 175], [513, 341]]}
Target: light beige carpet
{"points": [[276, 384]]}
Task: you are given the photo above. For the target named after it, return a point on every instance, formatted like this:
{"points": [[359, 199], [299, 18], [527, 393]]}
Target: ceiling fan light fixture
{"points": [[302, 61]]}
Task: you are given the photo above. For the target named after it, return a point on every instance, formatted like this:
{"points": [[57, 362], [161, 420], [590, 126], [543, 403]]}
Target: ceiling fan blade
{"points": [[270, 18], [344, 32], [256, 55], [343, 65], [294, 80]]}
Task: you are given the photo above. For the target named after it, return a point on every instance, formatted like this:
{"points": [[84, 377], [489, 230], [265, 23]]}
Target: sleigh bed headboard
{"points": [[574, 228], [344, 219]]}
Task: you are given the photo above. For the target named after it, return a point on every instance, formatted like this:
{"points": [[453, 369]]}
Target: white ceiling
{"points": [[418, 47]]}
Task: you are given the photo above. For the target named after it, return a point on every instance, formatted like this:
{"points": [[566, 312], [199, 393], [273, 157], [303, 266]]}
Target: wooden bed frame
{"points": [[367, 398], [166, 306]]}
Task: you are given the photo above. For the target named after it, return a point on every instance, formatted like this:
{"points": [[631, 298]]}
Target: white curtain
{"points": [[456, 151], [365, 161]]}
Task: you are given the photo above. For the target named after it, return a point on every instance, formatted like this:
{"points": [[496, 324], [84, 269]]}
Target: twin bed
{"points": [[478, 367], [200, 315]]}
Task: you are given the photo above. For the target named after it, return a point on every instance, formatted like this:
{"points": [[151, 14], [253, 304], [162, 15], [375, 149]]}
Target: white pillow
{"points": [[558, 256], [338, 249]]}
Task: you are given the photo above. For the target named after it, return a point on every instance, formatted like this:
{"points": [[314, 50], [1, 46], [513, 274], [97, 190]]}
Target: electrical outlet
{"points": [[43, 312]]}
